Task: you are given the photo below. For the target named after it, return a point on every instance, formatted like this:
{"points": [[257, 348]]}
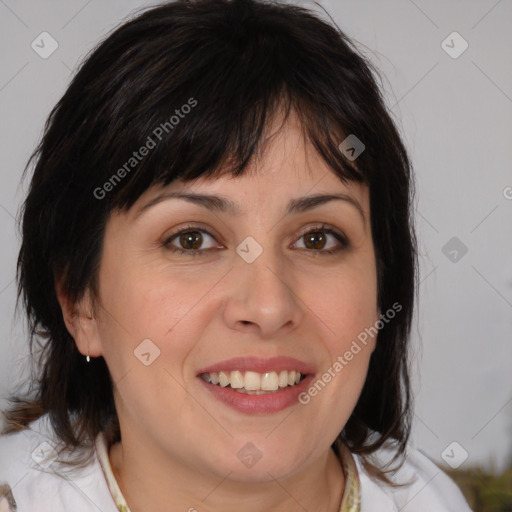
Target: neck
{"points": [[154, 483]]}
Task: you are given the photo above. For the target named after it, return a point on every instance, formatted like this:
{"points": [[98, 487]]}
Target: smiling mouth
{"points": [[254, 383]]}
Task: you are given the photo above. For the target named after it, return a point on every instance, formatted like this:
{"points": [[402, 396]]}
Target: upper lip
{"points": [[259, 365]]}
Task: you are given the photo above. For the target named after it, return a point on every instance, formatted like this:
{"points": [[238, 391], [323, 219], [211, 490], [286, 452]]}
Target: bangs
{"points": [[212, 118], [209, 150]]}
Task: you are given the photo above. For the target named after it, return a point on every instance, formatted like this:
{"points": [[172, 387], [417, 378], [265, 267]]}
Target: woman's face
{"points": [[271, 275]]}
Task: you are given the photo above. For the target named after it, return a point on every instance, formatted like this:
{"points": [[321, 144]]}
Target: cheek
{"points": [[345, 302], [149, 303], [167, 310], [345, 306]]}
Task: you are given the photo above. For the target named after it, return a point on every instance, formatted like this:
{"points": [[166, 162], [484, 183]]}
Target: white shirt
{"points": [[38, 483]]}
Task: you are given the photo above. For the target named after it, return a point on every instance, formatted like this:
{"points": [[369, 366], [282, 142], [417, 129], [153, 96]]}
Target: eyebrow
{"points": [[225, 205]]}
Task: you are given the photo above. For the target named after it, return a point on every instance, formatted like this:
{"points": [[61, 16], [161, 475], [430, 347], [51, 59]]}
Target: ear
{"points": [[81, 321]]}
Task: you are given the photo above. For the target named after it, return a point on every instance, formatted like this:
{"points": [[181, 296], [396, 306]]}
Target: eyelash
{"points": [[342, 239]]}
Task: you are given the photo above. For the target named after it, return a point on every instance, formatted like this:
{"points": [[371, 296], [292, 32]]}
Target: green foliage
{"points": [[485, 491]]}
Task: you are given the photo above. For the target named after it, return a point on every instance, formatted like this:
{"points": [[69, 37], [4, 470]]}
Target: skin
{"points": [[179, 443]]}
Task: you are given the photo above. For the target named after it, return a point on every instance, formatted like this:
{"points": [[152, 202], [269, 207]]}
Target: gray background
{"points": [[456, 117]]}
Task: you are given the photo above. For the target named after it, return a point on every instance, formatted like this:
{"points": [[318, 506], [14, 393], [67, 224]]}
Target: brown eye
{"points": [[315, 240], [191, 240], [322, 240]]}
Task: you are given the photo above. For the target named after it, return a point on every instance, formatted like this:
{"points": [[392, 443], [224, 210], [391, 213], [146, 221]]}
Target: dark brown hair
{"points": [[236, 62]]}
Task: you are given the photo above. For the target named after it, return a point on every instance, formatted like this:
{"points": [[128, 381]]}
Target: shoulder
{"points": [[33, 476], [429, 487]]}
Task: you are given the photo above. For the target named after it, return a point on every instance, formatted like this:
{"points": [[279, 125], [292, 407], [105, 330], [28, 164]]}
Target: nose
{"points": [[262, 297]]}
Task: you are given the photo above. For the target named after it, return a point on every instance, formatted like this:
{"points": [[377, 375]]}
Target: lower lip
{"points": [[259, 404]]}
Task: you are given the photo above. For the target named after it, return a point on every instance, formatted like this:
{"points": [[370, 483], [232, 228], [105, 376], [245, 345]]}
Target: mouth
{"points": [[256, 385]]}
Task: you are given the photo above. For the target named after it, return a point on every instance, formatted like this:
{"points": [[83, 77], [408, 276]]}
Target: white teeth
{"points": [[223, 379], [269, 381], [236, 380], [283, 379], [253, 382]]}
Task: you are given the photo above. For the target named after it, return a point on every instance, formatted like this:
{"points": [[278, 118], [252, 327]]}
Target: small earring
{"points": [[87, 358]]}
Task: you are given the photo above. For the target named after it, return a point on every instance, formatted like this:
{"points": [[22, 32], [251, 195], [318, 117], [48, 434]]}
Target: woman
{"points": [[219, 254]]}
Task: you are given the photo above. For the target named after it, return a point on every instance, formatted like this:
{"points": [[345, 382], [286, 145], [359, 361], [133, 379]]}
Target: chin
{"points": [[258, 461]]}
